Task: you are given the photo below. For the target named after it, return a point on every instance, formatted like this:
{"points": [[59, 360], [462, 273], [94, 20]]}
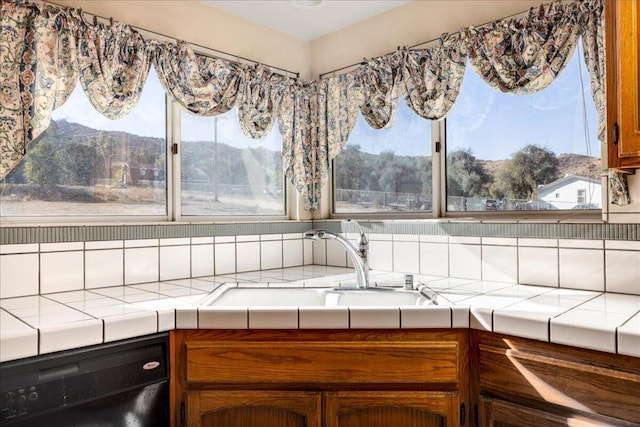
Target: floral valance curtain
{"points": [[514, 55], [45, 49], [38, 72], [525, 55]]}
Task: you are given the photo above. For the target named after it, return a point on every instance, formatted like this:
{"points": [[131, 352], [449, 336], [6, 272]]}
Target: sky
{"points": [[492, 124]]}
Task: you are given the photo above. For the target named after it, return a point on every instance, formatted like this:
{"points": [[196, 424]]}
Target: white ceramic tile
{"points": [[378, 317], [225, 239], [175, 262], [336, 254], [61, 271], [248, 256], [320, 252], [406, 257], [202, 260], [434, 238], [381, 255], [324, 318], [614, 303], [223, 318], [595, 337], [166, 319], [106, 244], [271, 254], [308, 252], [141, 243], [538, 243], [465, 261], [103, 268], [406, 238], [248, 238], [521, 323], [141, 265], [18, 249], [181, 241], [71, 335], [481, 318], [464, 240], [630, 245], [380, 237], [225, 258], [273, 318], [460, 317], [267, 237], [18, 275], [291, 236], [17, 339], [582, 269], [538, 266], [500, 241], [186, 318], [130, 325], [629, 337], [60, 247], [581, 244], [623, 271], [202, 240], [500, 263], [434, 259], [292, 254], [425, 317]]}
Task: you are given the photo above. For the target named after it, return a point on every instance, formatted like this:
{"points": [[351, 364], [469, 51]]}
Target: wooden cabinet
{"points": [[208, 408], [623, 82], [320, 378], [519, 382]]}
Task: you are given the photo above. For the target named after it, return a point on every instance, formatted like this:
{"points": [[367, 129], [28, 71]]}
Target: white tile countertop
{"points": [[53, 322]]}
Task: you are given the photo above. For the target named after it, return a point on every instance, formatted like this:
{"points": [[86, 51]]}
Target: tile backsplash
{"points": [[42, 260]]}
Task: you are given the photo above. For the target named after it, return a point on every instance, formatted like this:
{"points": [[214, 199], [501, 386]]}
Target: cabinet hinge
{"points": [[182, 412], [438, 147], [463, 413], [615, 134], [174, 148]]}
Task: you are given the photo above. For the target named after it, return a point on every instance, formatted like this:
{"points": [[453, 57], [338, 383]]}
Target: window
{"points": [[85, 164], [387, 170], [224, 172], [507, 152], [582, 196]]}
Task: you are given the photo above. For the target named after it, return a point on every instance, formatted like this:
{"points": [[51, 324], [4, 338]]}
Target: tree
{"points": [[527, 169], [41, 167], [466, 176], [78, 163], [352, 172]]}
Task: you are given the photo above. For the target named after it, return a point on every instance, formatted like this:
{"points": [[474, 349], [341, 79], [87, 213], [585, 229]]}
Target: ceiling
{"points": [[306, 19]]}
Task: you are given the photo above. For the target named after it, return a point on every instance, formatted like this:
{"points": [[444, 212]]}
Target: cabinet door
{"points": [[385, 409], [499, 413], [253, 409], [623, 82]]}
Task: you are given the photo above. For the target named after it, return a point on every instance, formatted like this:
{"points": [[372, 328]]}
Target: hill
{"points": [[568, 163]]}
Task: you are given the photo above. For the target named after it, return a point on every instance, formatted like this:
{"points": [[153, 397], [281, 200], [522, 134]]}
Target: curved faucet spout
{"points": [[358, 256]]}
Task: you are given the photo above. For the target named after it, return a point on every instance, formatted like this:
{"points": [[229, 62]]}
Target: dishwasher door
{"points": [[116, 384]]}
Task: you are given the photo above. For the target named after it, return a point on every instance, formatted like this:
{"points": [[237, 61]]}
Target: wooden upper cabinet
{"points": [[622, 20]]}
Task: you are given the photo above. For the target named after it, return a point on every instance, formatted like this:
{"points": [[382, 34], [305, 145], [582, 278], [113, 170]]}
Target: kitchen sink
{"points": [[228, 296]]}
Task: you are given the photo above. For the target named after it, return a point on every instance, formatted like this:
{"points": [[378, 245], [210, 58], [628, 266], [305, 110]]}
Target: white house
{"points": [[572, 192]]}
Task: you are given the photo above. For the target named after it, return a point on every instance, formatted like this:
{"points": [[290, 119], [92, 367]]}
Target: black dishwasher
{"points": [[119, 384]]}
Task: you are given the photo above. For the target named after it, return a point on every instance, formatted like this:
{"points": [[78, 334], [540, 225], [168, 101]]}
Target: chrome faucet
{"points": [[358, 256]]}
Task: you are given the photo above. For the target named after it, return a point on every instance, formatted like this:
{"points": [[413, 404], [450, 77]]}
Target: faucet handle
{"points": [[362, 241]]}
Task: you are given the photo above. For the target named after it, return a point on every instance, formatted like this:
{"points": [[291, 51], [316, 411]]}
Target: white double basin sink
{"points": [[228, 296]]}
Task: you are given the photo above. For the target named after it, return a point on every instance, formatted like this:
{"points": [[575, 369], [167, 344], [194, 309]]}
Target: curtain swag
{"points": [[45, 49]]}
